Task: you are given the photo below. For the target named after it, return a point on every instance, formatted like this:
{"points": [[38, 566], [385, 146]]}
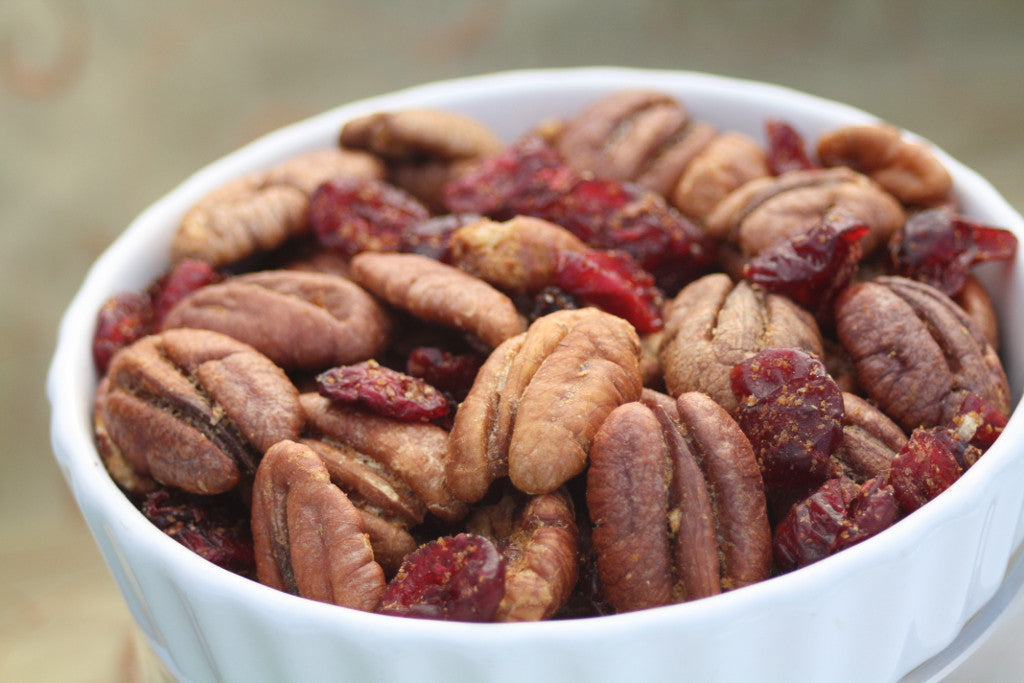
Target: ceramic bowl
{"points": [[873, 612]]}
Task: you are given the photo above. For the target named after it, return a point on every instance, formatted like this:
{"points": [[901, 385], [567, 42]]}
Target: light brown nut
{"points": [[298, 320], [916, 352], [439, 293], [727, 162], [308, 538], [713, 324], [194, 409], [976, 302], [765, 211], [678, 506], [412, 454], [909, 171], [539, 400], [261, 210], [517, 256], [870, 441]]}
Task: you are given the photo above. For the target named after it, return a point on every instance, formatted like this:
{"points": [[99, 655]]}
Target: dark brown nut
{"points": [[909, 171], [517, 256], [678, 507], [976, 302], [713, 324], [439, 293], [309, 540], [411, 455], [765, 211], [537, 402], [729, 161], [261, 210], [194, 409], [539, 540], [299, 320], [916, 352], [870, 441]]}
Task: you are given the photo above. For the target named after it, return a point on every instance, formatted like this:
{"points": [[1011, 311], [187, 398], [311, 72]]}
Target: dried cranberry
{"points": [[359, 214], [939, 247], [613, 282], [383, 391], [926, 466], [978, 421], [185, 277], [813, 268], [446, 371], [786, 148], [870, 511], [810, 529], [455, 578], [432, 237], [791, 410], [121, 320], [214, 527]]}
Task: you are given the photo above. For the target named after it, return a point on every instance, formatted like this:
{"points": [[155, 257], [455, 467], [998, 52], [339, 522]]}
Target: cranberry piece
{"points": [[383, 390], [455, 578], [122, 319], [786, 148], [932, 459], [614, 283], [185, 277], [871, 510], [813, 268], [432, 237], [810, 529], [978, 421], [939, 247], [359, 214], [791, 410], [446, 371]]}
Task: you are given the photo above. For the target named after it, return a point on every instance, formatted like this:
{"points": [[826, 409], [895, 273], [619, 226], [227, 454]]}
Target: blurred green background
{"points": [[105, 106]]}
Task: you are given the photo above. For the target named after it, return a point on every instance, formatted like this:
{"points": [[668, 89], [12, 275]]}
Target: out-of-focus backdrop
{"points": [[104, 106]]}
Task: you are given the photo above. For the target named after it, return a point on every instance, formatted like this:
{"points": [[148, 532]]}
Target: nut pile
{"points": [[627, 360]]}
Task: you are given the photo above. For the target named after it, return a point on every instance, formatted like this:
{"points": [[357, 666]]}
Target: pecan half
{"points": [[194, 409], [538, 400], [686, 496], [916, 353], [297, 319], [729, 161], [870, 441], [713, 324], [308, 538]]}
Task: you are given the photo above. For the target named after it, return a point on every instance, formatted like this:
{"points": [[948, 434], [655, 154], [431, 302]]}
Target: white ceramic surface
{"points": [[873, 612]]}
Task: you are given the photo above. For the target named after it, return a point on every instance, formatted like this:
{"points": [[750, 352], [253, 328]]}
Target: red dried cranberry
{"points": [[791, 410], [926, 466], [786, 148], [185, 277], [870, 511], [614, 283], [810, 529], [383, 391], [121, 320], [446, 371], [359, 214], [455, 578], [978, 421]]}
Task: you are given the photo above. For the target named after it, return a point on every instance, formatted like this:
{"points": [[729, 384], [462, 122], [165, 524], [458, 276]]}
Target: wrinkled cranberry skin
{"points": [[384, 391], [185, 277], [978, 421], [791, 410], [810, 529], [359, 214], [123, 319], [614, 283], [454, 578], [787, 150], [871, 510], [449, 372], [927, 465]]}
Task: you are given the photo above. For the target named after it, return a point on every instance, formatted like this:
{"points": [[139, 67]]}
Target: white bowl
{"points": [[873, 612]]}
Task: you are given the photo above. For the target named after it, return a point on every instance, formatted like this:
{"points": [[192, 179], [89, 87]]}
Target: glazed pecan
{"points": [[538, 400], [439, 293], [713, 324], [684, 495], [261, 210], [916, 352], [297, 319], [194, 409], [308, 538]]}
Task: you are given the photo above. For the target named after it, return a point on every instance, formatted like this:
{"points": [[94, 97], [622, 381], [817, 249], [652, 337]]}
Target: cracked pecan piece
{"points": [[538, 400], [308, 538], [193, 409], [685, 495]]}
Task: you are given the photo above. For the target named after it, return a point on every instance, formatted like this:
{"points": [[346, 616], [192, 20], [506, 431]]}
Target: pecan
{"points": [[977, 303], [766, 211], [439, 293], [909, 171], [870, 441], [538, 400], [917, 353], [713, 324], [261, 210], [308, 538], [686, 496], [297, 319], [728, 161], [194, 409]]}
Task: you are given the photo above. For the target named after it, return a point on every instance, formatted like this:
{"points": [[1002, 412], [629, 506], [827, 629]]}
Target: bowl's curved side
{"points": [[873, 612]]}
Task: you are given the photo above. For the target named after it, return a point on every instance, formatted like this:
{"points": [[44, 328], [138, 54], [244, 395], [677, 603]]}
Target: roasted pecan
{"points": [[298, 320], [916, 352], [439, 293], [870, 440], [728, 161], [678, 507], [909, 171], [261, 210], [713, 324], [977, 303], [539, 399], [194, 409], [309, 539]]}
